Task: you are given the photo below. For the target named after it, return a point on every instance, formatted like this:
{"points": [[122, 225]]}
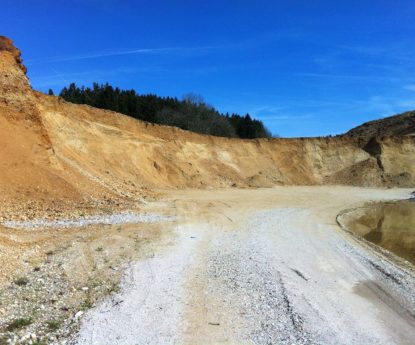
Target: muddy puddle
{"points": [[390, 225]]}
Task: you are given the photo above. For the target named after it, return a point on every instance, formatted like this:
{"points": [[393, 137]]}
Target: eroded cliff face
{"points": [[29, 168], [57, 150], [6, 44]]}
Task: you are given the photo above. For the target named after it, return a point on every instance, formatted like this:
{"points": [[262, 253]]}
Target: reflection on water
{"points": [[389, 225]]}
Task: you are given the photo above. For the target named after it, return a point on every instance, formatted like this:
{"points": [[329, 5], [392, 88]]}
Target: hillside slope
{"points": [[53, 150], [401, 124]]}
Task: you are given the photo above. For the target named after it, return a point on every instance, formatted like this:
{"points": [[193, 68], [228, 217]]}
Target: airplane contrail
{"points": [[117, 53]]}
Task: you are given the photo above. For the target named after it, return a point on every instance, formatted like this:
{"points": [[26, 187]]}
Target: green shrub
{"points": [[18, 324], [22, 281], [53, 325]]}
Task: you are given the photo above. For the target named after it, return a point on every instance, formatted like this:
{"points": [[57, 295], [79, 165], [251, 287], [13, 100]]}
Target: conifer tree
{"points": [[191, 113]]}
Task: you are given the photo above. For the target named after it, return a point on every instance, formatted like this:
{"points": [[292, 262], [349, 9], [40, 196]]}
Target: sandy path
{"points": [[260, 266]]}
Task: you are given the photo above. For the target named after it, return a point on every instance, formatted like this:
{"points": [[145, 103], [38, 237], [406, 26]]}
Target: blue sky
{"points": [[305, 68]]}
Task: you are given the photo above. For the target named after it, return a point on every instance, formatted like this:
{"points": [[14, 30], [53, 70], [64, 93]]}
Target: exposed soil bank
{"points": [[52, 150], [390, 225]]}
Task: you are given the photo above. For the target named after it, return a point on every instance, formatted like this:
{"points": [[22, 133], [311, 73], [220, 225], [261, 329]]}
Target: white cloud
{"points": [[107, 53]]}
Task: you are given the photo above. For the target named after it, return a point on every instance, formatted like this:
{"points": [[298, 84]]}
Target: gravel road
{"points": [[260, 267]]}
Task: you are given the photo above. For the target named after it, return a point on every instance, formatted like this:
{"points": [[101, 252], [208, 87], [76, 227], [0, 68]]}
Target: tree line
{"points": [[190, 113]]}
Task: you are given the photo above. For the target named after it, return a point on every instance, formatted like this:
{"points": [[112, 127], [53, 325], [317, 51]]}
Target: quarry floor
{"points": [[265, 266]]}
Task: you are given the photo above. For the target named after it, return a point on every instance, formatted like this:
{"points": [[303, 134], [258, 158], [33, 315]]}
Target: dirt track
{"points": [[264, 266]]}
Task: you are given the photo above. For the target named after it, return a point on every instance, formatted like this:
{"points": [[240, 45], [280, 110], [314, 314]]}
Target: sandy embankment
{"points": [[263, 266]]}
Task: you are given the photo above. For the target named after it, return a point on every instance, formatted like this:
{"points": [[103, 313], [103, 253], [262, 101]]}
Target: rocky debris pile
{"points": [[22, 211], [126, 217]]}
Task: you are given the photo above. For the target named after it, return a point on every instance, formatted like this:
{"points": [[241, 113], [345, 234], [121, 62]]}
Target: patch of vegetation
{"points": [[18, 324], [99, 249], [53, 325], [114, 288], [87, 304], [4, 340], [22, 281], [191, 113]]}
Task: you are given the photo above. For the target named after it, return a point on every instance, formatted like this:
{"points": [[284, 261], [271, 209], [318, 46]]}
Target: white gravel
{"points": [[150, 308], [126, 217], [285, 276]]}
